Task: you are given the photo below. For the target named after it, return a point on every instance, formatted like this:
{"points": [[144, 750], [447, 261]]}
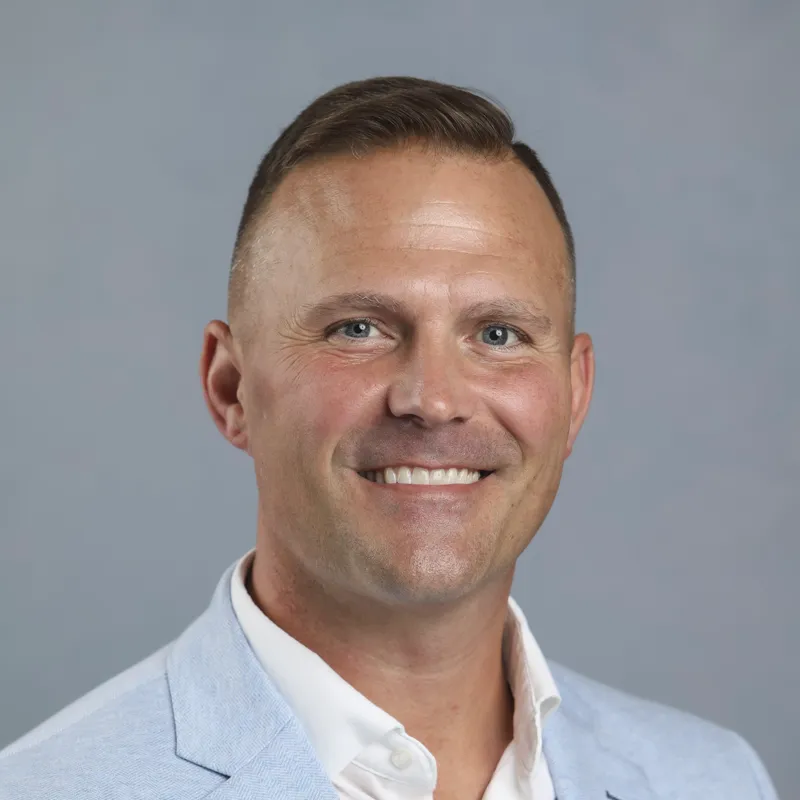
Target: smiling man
{"points": [[401, 364]]}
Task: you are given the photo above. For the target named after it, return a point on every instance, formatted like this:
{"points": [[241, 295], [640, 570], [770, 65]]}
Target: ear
{"points": [[221, 375], [582, 384]]}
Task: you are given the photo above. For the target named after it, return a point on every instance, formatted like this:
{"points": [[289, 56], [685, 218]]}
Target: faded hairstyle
{"points": [[359, 117]]}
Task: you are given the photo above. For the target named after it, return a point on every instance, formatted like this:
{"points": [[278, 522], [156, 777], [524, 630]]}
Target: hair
{"points": [[359, 117]]}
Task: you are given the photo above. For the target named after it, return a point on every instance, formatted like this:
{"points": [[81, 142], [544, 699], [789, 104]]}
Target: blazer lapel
{"points": [[230, 718], [286, 769], [582, 765]]}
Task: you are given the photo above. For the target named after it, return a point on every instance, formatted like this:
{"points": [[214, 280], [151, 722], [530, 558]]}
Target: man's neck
{"points": [[440, 674]]}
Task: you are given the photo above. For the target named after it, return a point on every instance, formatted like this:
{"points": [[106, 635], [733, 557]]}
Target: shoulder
{"points": [[615, 709], [671, 746], [117, 741]]}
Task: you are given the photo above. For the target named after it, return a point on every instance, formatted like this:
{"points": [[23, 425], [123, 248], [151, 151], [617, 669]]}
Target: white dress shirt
{"points": [[366, 752]]}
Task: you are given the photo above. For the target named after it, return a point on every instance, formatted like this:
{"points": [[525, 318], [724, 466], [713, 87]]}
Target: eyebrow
{"points": [[505, 308]]}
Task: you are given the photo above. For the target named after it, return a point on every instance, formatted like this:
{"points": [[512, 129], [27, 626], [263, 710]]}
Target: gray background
{"points": [[129, 134]]}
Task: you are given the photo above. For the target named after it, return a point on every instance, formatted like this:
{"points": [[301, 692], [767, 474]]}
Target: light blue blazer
{"points": [[199, 718]]}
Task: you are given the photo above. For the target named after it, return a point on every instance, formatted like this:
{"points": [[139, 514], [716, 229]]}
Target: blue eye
{"points": [[360, 327], [499, 335]]}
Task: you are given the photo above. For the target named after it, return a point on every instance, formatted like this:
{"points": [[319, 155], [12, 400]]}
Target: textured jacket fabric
{"points": [[199, 718]]}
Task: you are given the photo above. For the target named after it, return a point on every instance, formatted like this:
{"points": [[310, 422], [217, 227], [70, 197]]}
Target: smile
{"points": [[420, 476]]}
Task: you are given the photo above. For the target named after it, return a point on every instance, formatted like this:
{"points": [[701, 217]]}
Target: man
{"points": [[402, 367]]}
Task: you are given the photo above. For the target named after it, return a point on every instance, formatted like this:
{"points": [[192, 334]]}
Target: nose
{"points": [[430, 386]]}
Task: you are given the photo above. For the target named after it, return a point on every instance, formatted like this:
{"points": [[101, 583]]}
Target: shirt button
{"points": [[401, 758]]}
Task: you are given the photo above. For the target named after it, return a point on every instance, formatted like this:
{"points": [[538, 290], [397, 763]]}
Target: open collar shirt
{"points": [[366, 752]]}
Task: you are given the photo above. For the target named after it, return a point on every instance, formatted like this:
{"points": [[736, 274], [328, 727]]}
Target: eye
{"points": [[355, 329], [499, 335]]}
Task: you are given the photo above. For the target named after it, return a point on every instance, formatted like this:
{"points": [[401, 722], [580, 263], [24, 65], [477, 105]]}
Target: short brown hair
{"points": [[362, 116]]}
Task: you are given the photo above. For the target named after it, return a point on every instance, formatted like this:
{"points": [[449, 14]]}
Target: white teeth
{"points": [[422, 476], [438, 476]]}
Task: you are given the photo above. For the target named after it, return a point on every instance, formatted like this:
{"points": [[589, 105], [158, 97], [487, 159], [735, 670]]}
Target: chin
{"points": [[428, 580]]}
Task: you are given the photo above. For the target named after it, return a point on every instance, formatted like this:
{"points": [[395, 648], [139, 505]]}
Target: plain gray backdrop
{"points": [[129, 133]]}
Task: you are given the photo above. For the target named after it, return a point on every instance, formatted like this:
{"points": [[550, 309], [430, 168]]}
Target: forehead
{"points": [[343, 196], [401, 216]]}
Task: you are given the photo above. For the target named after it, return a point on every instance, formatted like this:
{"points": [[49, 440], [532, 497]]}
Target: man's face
{"points": [[411, 311]]}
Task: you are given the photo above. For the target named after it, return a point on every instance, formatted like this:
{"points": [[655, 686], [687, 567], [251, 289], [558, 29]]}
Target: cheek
{"points": [[310, 411], [534, 406]]}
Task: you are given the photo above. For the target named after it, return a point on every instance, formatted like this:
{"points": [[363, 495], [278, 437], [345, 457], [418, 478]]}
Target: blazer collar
{"points": [[580, 755], [231, 719]]}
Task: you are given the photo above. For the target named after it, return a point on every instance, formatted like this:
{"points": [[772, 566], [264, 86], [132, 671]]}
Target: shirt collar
{"points": [[341, 722], [536, 696]]}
